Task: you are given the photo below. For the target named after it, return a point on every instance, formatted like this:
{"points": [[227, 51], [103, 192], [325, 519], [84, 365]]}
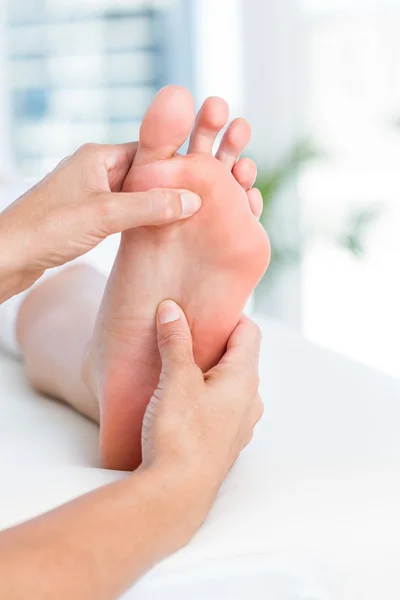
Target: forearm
{"points": [[98, 545], [17, 270], [55, 324]]}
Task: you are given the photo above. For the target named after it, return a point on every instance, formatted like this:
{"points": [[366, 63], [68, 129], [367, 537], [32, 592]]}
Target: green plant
{"points": [[270, 182], [355, 227]]}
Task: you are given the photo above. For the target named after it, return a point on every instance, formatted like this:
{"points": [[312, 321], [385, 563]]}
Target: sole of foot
{"points": [[209, 264]]}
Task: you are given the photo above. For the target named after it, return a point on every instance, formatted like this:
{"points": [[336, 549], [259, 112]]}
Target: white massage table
{"points": [[311, 511]]}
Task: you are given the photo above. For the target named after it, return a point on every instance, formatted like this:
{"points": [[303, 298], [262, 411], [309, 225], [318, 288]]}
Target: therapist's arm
{"points": [[98, 545], [194, 429], [73, 209]]}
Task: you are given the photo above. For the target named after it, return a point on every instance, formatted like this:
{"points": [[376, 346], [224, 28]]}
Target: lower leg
{"points": [[54, 327]]}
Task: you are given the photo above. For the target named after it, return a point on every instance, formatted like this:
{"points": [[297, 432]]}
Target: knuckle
{"points": [[162, 205], [256, 412], [63, 162], [253, 335], [175, 337], [88, 148], [260, 410]]}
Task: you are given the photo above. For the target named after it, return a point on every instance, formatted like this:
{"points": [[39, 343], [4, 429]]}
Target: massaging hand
{"points": [[195, 427], [77, 206], [198, 424]]}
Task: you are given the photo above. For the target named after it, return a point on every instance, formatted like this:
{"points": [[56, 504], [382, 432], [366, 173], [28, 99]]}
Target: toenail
{"points": [[168, 311], [190, 203]]}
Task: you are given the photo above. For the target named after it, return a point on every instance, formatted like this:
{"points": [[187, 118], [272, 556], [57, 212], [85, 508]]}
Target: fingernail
{"points": [[168, 312], [190, 203]]}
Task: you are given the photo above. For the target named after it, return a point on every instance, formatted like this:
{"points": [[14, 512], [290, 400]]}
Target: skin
{"points": [[189, 444], [73, 209], [55, 325], [210, 264], [56, 322], [98, 545], [194, 428]]}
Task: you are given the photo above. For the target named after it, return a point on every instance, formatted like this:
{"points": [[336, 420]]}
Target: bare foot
{"points": [[209, 264]]}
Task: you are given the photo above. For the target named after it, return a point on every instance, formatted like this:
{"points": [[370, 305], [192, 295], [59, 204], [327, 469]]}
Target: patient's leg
{"points": [[55, 324]]}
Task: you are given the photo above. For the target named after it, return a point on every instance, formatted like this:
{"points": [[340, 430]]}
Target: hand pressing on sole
{"points": [[194, 429], [201, 422], [210, 264]]}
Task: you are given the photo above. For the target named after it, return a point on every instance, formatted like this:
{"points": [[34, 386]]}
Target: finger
{"points": [[174, 337], [257, 410], [121, 155], [254, 417], [117, 160], [121, 211], [243, 347]]}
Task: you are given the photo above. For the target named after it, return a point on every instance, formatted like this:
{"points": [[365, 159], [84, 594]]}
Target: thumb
{"points": [[173, 336], [121, 211]]}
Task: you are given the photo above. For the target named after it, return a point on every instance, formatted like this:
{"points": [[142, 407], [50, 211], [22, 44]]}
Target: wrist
{"points": [[14, 279], [186, 496]]}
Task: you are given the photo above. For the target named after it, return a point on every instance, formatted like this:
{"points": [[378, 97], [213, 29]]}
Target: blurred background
{"points": [[318, 79]]}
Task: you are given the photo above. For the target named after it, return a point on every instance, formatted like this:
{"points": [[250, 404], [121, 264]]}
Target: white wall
{"points": [[218, 49], [352, 305], [274, 59], [250, 52], [4, 131]]}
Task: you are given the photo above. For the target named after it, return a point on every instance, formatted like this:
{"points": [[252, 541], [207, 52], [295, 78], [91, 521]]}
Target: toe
{"points": [[256, 202], [235, 139], [212, 117], [166, 125], [245, 173]]}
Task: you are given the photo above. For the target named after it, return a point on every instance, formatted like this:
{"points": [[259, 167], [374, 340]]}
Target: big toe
{"points": [[166, 125]]}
